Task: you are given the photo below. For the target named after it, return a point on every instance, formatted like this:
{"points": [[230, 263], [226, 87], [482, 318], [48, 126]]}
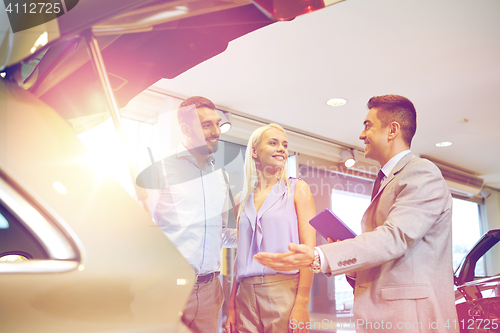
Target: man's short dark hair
{"points": [[399, 109], [188, 107]]}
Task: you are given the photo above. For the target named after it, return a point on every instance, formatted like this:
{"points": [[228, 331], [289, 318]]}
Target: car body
{"points": [[77, 252], [478, 294], [96, 260]]}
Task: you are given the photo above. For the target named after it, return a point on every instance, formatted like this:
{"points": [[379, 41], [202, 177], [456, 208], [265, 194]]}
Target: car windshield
{"points": [[481, 271]]}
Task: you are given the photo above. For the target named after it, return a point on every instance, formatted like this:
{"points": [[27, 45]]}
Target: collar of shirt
{"points": [[387, 168], [183, 152]]}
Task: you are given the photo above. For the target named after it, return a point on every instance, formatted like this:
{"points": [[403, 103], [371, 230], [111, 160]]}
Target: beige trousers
{"points": [[264, 303], [201, 313]]}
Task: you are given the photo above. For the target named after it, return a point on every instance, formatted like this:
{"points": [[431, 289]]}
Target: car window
{"points": [[16, 242], [30, 234], [493, 269], [4, 224]]}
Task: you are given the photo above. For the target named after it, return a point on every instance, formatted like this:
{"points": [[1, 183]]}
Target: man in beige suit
{"points": [[402, 262]]}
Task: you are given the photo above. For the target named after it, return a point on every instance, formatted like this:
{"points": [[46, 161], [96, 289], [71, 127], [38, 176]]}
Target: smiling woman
{"points": [[268, 220]]}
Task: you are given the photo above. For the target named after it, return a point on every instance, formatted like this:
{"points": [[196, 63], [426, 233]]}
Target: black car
{"points": [[477, 296]]}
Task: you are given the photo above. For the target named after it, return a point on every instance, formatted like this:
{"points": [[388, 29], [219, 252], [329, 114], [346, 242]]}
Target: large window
{"points": [[466, 229], [349, 207]]}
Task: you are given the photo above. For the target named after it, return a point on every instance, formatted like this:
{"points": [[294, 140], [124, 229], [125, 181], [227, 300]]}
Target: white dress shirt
{"points": [[192, 210]]}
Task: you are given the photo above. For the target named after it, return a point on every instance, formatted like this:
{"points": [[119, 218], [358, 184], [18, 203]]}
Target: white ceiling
{"points": [[443, 55]]}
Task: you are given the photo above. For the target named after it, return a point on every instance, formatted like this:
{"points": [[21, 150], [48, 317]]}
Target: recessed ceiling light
{"points": [[336, 102], [444, 144]]}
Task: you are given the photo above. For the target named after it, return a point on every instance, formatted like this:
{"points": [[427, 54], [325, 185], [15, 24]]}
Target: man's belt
{"points": [[207, 277]]}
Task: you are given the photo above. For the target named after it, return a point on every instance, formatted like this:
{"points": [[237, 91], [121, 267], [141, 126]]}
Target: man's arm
{"points": [[414, 202], [304, 207], [420, 198]]}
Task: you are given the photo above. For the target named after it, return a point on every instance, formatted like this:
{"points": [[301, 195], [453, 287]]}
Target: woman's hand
{"points": [[230, 326]]}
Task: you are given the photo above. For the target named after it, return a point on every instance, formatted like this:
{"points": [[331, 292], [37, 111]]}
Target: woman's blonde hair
{"points": [[250, 172]]}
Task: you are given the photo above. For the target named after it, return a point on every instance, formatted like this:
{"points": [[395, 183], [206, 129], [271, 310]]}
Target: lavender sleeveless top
{"points": [[270, 229]]}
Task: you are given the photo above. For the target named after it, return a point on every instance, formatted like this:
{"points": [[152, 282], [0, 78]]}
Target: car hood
{"points": [[465, 272], [141, 42]]}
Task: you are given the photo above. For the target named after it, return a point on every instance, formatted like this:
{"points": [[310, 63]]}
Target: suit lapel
{"points": [[368, 221], [397, 169]]}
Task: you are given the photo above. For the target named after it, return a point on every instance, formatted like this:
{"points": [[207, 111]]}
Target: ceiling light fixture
{"points": [[349, 157], [444, 144], [336, 102], [226, 119]]}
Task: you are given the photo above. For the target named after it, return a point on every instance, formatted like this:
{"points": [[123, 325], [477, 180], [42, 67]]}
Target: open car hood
{"points": [[141, 42], [465, 272]]}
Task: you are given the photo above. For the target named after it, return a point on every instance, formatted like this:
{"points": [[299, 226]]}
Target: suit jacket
{"points": [[403, 258]]}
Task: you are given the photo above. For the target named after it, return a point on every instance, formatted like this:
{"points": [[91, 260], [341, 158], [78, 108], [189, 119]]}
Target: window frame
{"points": [[48, 230]]}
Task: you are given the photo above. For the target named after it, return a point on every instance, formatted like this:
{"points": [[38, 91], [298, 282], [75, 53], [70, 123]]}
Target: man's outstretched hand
{"points": [[301, 256]]}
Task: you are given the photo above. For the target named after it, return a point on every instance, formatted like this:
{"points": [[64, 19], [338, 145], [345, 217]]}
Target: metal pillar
{"points": [[100, 70]]}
